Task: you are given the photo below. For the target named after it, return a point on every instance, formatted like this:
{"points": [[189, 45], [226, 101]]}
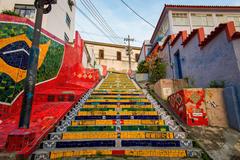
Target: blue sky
{"points": [[124, 22]]}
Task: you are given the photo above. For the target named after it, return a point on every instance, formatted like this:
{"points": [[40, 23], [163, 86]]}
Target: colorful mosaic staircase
{"points": [[117, 119]]}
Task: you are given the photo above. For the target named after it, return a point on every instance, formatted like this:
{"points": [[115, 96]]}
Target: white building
{"points": [[113, 56], [60, 21], [175, 18], [144, 50]]}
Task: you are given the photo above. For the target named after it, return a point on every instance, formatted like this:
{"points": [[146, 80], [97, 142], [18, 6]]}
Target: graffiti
{"points": [[212, 104], [15, 44], [189, 105]]}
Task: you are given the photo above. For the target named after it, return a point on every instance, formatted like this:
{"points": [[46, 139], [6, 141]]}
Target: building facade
{"points": [[113, 56], [175, 18], [60, 21], [204, 59], [146, 48]]}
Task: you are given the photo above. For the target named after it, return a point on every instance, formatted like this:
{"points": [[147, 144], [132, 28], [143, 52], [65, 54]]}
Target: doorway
{"points": [[177, 66]]}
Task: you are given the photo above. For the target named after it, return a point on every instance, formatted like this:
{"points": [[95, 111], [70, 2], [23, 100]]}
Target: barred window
{"points": [[221, 18], [119, 56], [180, 19], [136, 57], [68, 20], [235, 19], [202, 20], [101, 54], [23, 10], [66, 38]]}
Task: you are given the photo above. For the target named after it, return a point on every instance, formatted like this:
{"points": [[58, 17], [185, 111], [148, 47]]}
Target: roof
{"points": [[110, 45], [228, 27], [201, 7], [189, 7]]}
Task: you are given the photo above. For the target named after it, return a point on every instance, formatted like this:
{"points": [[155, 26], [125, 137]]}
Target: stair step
{"points": [[112, 113], [117, 119], [121, 135], [116, 106], [113, 122], [118, 103], [135, 152], [49, 144], [113, 109]]}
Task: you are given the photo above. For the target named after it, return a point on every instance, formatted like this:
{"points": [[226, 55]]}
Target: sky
{"points": [[124, 22]]}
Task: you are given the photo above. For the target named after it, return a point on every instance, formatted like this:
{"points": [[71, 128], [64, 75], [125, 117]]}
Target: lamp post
{"points": [[43, 7]]}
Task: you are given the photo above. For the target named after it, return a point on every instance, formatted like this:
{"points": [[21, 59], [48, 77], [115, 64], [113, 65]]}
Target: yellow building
{"points": [[114, 56]]}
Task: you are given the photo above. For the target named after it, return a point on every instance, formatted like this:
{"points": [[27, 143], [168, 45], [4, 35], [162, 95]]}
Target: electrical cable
{"points": [[102, 18], [137, 13], [93, 23], [96, 17]]}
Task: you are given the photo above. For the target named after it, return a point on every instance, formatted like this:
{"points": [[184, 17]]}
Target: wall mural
{"points": [[15, 44], [189, 104]]}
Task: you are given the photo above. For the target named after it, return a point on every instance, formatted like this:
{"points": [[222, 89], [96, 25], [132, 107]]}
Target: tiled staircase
{"points": [[117, 119]]}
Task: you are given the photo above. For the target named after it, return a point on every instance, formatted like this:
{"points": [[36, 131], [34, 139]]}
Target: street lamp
{"points": [[43, 7]]}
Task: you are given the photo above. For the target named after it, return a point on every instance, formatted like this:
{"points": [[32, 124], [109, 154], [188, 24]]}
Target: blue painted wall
{"points": [[216, 61]]}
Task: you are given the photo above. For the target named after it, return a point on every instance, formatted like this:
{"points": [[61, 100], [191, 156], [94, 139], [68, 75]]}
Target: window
{"points": [[202, 20], [70, 4], [136, 57], [119, 56], [180, 19], [101, 54], [221, 18], [66, 38], [27, 11], [235, 19], [68, 20]]}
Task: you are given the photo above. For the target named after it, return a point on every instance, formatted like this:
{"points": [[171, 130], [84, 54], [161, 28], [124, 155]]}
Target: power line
{"points": [[137, 13], [102, 18], [96, 15], [89, 19], [100, 35]]}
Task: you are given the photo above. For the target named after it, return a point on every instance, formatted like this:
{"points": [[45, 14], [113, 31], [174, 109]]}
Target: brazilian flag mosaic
{"points": [[15, 44]]}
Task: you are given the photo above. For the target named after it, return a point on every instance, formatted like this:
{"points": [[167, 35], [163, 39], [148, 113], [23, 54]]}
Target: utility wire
{"points": [[102, 18], [98, 18], [82, 31], [89, 19], [100, 35], [137, 13]]}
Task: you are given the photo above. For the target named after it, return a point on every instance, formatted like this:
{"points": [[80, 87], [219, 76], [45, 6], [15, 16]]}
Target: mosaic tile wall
{"points": [[15, 43]]}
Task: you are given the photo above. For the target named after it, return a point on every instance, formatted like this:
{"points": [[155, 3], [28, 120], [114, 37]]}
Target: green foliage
{"points": [[10, 12], [157, 71], [142, 67], [190, 81], [217, 84]]}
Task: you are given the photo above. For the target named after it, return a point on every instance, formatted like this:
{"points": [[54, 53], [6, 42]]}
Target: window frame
{"points": [[119, 54], [180, 13], [68, 20], [202, 15], [137, 57], [101, 54], [66, 38], [25, 8], [237, 24]]}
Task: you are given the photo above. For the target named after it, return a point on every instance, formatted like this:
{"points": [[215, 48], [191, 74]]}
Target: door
{"points": [[177, 66]]}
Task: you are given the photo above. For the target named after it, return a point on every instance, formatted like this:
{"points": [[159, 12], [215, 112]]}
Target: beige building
{"points": [[114, 56], [60, 21]]}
